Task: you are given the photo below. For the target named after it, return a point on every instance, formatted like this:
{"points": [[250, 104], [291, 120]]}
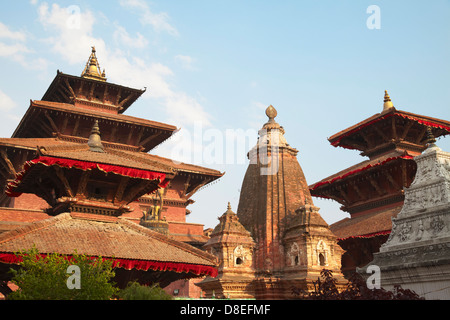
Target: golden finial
{"points": [[387, 101], [271, 112], [92, 69]]}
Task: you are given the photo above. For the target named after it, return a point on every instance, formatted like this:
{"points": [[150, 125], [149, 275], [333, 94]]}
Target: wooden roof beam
{"points": [[193, 191], [52, 123], [406, 130], [9, 166], [121, 189], [376, 186], [128, 98], [60, 174], [69, 87], [148, 139]]}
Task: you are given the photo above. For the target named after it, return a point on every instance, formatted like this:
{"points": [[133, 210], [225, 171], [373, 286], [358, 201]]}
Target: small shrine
{"points": [[417, 253], [233, 246]]}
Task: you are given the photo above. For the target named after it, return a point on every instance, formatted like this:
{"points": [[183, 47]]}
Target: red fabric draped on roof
{"points": [[421, 121], [317, 185], [129, 264], [85, 165]]}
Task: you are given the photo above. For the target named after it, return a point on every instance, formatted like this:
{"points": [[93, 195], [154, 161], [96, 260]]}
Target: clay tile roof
{"points": [[31, 143], [365, 225], [117, 239], [65, 149], [81, 152]]}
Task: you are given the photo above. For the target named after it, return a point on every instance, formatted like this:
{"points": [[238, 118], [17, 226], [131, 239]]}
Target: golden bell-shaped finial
{"points": [[387, 101]]}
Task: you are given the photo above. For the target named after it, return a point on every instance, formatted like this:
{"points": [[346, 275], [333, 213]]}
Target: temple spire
{"points": [[95, 142], [387, 101], [92, 69]]}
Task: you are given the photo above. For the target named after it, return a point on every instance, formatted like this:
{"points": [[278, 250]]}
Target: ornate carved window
{"points": [[322, 253]]}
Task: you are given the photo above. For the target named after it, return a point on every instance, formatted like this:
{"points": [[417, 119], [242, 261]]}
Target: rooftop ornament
{"points": [[95, 142], [92, 69], [387, 101]]}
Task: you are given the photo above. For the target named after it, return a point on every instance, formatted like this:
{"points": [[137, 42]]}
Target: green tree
{"points": [[136, 291], [46, 277]]}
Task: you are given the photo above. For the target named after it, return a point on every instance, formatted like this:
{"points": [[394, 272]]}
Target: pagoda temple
{"points": [[288, 244], [76, 168], [372, 192]]}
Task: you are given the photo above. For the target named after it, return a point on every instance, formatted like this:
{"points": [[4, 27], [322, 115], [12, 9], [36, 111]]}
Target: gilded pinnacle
{"points": [[92, 69], [271, 112], [387, 101]]}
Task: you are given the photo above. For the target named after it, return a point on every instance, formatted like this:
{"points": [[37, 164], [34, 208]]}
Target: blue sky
{"points": [[212, 67]]}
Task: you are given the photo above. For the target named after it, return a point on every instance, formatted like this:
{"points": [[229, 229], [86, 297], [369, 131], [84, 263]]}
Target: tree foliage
{"points": [[326, 289], [136, 291], [45, 277]]}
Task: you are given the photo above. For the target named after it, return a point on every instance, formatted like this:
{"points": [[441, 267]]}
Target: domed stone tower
{"points": [[293, 242]]}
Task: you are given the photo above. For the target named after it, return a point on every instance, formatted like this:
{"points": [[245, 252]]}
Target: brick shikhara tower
{"points": [[293, 244]]}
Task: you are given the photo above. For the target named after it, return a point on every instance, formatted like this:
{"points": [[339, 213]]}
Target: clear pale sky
{"points": [[212, 67]]}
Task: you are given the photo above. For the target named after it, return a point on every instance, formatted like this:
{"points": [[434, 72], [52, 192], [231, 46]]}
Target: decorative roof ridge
{"points": [[93, 217]]}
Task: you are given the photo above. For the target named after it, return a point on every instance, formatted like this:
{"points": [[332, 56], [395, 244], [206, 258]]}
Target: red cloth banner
{"points": [[144, 265], [85, 165]]}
